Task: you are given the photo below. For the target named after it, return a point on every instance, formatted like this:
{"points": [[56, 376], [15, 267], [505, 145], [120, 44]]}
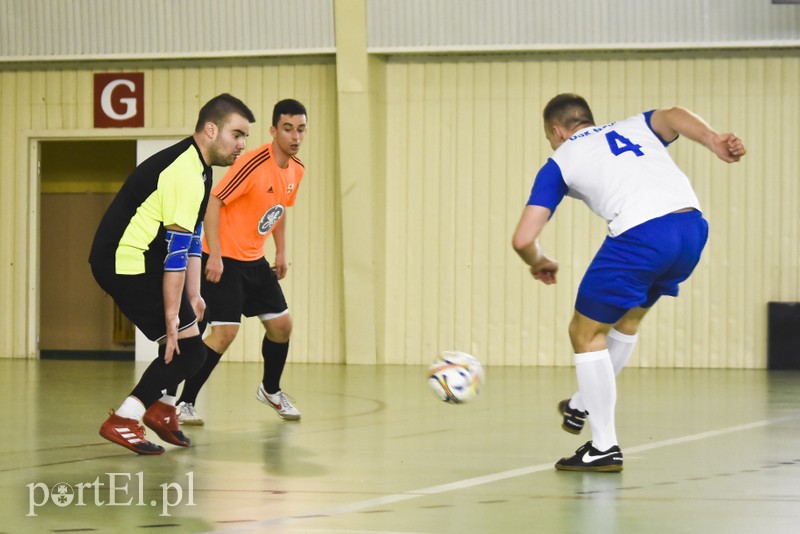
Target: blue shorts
{"points": [[635, 268]]}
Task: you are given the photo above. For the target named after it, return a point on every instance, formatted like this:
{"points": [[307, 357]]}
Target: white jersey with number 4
{"points": [[622, 171]]}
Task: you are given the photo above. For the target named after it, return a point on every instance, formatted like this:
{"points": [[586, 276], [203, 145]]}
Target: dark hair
{"points": [[287, 107], [567, 110], [218, 108]]}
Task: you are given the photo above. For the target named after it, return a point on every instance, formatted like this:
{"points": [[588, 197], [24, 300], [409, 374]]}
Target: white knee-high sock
{"points": [[598, 388], [620, 347]]}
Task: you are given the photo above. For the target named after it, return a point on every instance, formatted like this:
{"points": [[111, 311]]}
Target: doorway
{"points": [[78, 181]]}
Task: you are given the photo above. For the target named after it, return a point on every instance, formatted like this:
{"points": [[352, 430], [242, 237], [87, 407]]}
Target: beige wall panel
{"points": [[464, 143], [7, 157], [16, 210], [311, 285], [52, 103]]}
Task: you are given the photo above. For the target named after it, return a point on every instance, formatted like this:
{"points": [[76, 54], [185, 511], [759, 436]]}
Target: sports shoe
{"points": [[279, 402], [162, 418], [128, 433], [587, 458], [187, 415], [573, 419]]}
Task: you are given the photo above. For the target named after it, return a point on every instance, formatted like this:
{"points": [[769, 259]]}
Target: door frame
{"points": [[29, 158]]}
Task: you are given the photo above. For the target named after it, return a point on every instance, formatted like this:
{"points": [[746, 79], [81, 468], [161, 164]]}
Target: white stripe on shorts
{"points": [[269, 316]]}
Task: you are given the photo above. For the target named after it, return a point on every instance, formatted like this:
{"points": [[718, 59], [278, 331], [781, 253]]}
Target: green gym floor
{"points": [[706, 451]]}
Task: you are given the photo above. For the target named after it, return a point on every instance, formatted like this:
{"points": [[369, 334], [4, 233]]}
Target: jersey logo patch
{"points": [[269, 219]]}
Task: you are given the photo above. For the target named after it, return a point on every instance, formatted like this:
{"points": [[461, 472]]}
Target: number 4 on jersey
{"points": [[620, 144]]}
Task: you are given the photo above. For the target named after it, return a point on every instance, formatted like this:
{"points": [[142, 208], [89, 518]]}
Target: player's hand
{"points": [[545, 271], [214, 269], [199, 306], [728, 147], [172, 339], [280, 266]]}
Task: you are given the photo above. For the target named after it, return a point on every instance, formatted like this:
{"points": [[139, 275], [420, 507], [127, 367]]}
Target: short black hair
{"points": [[218, 108], [568, 110], [287, 106]]}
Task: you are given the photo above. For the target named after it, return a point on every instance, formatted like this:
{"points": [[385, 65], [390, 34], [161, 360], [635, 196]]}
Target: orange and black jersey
{"points": [[255, 193], [170, 187]]}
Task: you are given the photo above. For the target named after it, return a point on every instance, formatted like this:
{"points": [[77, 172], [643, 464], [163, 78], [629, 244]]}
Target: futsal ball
{"points": [[456, 377]]}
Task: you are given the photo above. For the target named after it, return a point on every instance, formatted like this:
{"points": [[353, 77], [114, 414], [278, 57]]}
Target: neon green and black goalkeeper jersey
{"points": [[170, 187]]}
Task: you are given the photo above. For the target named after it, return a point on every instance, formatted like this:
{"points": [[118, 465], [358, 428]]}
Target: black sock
{"points": [[274, 355], [160, 375], [195, 382]]}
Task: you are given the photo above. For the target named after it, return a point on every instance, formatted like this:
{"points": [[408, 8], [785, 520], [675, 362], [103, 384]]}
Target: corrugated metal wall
{"points": [[401, 26], [120, 29], [465, 141], [57, 102]]}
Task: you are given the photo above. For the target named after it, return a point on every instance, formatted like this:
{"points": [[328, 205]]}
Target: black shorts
{"points": [[248, 288], [141, 298]]}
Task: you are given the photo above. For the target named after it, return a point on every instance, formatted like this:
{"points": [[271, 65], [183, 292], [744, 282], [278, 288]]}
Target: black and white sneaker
{"points": [[573, 419], [587, 458]]}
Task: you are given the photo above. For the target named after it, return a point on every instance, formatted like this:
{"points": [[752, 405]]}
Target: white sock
{"points": [[131, 408], [620, 347], [598, 389], [168, 399]]}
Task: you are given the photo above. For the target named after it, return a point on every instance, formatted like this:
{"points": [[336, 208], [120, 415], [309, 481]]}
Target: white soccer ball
{"points": [[456, 377]]}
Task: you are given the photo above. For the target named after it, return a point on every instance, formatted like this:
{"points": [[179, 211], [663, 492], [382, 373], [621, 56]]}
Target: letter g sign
{"points": [[119, 100]]}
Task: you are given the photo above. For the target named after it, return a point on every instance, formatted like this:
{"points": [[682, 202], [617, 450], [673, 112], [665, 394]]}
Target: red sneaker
{"points": [[128, 433], [162, 419]]}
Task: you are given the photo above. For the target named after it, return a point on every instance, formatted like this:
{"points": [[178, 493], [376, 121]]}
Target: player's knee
{"points": [[279, 330], [225, 340], [630, 322], [627, 327], [279, 336], [221, 337], [585, 339], [575, 335]]}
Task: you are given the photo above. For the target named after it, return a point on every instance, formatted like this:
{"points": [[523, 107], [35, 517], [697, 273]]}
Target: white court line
{"points": [[709, 434], [351, 531], [486, 479]]}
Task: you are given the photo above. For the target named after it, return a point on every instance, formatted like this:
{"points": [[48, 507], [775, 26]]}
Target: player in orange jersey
{"points": [[248, 205]]}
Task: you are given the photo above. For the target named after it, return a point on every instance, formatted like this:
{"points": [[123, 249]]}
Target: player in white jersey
{"points": [[656, 234]]}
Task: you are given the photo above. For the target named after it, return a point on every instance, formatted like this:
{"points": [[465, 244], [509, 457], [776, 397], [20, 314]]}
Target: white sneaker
{"points": [[187, 415], [279, 402]]}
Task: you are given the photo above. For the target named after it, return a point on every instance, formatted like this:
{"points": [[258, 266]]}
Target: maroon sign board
{"points": [[119, 100]]}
